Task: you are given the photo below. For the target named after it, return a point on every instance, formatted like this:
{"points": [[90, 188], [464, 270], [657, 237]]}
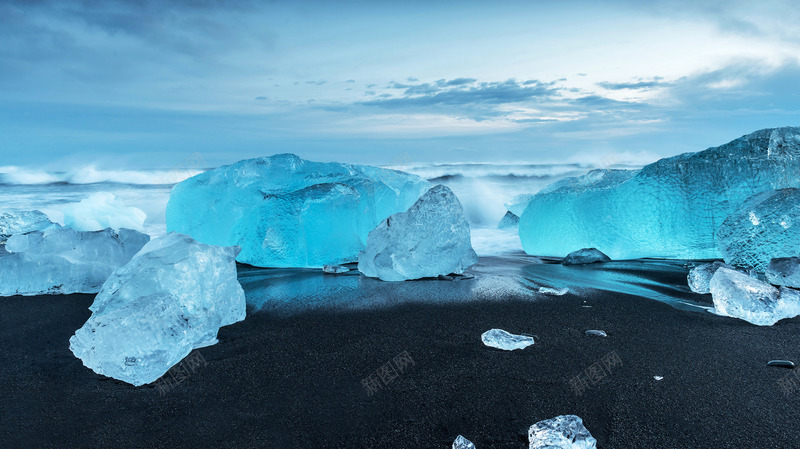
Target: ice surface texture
{"points": [[430, 239], [462, 443], [585, 256], [288, 212], [172, 297], [700, 276], [764, 227], [670, 208], [561, 432], [500, 339], [62, 260], [102, 210], [784, 271], [23, 221], [738, 295]]}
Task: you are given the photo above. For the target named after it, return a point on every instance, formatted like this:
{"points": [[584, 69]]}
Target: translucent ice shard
{"points": [[764, 227], [508, 221], [700, 276], [102, 210], [23, 221], [62, 260], [288, 212], [596, 333], [670, 208], [738, 295], [500, 339], [335, 269], [432, 238], [585, 256], [784, 271], [462, 443], [554, 291], [561, 432], [172, 297]]}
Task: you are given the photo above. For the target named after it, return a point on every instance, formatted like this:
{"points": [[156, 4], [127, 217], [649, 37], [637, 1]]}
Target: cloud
{"points": [[464, 91], [657, 82]]}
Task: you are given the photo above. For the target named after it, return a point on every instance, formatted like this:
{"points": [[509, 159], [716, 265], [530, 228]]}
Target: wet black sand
{"points": [[296, 382]]}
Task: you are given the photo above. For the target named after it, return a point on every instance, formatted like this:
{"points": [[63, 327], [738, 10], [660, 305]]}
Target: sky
{"points": [[146, 84]]}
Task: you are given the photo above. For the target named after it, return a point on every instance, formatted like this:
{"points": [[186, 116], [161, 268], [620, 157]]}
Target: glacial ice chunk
{"points": [[764, 227], [23, 221], [500, 339], [432, 238], [585, 256], [595, 333], [284, 211], [554, 291], [738, 295], [561, 432], [103, 210], [335, 269], [63, 260], [700, 276], [508, 221], [784, 271], [462, 443], [670, 208], [172, 297]]}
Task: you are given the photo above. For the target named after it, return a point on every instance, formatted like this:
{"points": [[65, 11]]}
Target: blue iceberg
{"points": [[284, 211], [671, 208], [172, 297]]}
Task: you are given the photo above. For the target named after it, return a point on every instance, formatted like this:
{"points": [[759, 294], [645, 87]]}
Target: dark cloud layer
{"points": [[465, 91]]}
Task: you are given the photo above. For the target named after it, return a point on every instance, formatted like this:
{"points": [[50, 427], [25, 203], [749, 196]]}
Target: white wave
{"points": [[12, 175], [482, 170]]}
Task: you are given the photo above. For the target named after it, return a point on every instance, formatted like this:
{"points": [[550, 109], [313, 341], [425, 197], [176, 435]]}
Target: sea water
{"points": [[482, 188]]}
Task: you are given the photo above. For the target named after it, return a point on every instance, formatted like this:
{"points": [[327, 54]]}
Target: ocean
{"points": [[483, 188]]}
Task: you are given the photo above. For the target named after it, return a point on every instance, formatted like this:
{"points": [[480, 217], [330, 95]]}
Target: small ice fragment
{"points": [[596, 333], [658, 377], [553, 291], [500, 339], [585, 256], [335, 269], [561, 432], [700, 276], [444, 277], [781, 363], [462, 443], [738, 295]]}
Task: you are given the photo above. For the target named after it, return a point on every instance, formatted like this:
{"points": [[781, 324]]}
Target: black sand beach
{"points": [[291, 382]]}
